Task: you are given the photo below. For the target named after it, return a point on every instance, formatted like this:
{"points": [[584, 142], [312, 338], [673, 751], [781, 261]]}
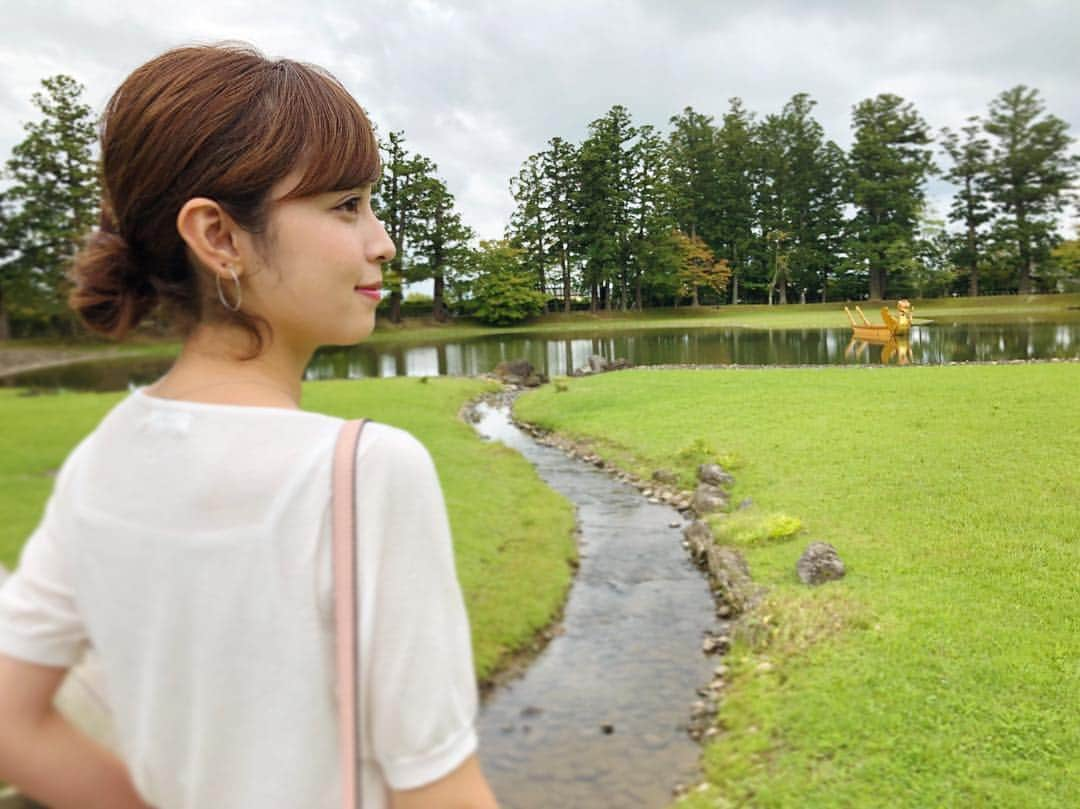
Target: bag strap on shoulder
{"points": [[347, 606]]}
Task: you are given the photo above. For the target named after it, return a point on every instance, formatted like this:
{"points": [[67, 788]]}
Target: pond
{"points": [[557, 355]]}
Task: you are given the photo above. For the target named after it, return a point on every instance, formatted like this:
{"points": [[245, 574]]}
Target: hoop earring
{"points": [[221, 294]]}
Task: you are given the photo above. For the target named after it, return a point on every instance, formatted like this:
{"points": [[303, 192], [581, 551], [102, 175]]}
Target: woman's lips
{"points": [[372, 292]]}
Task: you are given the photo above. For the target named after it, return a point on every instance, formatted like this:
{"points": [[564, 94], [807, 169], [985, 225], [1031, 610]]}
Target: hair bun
{"points": [[111, 293]]}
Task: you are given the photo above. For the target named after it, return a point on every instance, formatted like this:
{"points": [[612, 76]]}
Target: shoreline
{"points": [[16, 368], [9, 367]]}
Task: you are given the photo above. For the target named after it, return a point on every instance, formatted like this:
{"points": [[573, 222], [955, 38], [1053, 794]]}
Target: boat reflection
{"points": [[898, 348]]}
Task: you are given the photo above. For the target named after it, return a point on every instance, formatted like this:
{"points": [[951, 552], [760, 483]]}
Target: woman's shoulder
{"points": [[393, 446]]}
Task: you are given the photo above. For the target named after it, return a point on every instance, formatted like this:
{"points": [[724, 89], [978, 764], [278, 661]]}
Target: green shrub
{"points": [[502, 292], [745, 528]]}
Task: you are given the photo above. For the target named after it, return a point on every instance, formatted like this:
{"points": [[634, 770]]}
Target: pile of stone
{"points": [[600, 365], [711, 495], [519, 373], [729, 575], [702, 724]]}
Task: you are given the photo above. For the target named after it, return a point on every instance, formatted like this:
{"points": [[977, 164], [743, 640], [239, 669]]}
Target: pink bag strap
{"points": [[347, 606]]}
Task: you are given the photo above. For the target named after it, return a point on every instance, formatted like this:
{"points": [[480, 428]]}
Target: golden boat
{"points": [[892, 327]]}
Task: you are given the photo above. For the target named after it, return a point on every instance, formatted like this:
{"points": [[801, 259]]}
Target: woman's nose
{"points": [[384, 245]]}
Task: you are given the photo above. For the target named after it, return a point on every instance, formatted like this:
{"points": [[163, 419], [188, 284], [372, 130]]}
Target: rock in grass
{"points": [[819, 563], [708, 498], [714, 475], [665, 476]]}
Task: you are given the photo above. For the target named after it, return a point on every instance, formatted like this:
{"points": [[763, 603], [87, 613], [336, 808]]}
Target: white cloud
{"points": [[478, 86]]}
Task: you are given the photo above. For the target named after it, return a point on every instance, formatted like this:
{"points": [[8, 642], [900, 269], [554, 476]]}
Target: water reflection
{"points": [[559, 355], [895, 349]]}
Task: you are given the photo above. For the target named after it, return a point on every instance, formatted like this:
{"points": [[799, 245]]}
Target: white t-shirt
{"points": [[189, 544]]}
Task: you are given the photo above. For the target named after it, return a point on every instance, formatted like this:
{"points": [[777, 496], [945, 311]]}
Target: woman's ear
{"points": [[210, 235]]}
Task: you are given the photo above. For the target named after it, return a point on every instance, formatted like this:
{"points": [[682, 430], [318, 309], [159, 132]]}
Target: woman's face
{"points": [[316, 273]]}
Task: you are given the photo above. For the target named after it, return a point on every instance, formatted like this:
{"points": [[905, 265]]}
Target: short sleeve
{"points": [[39, 621], [421, 694]]}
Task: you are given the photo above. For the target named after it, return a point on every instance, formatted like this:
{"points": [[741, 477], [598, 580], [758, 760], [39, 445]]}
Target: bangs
{"points": [[328, 129]]}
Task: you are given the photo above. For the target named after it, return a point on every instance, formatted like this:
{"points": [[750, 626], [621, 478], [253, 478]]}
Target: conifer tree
{"points": [[650, 205], [50, 204], [560, 170], [695, 175], [398, 201], [831, 197], [971, 205], [735, 191], [1031, 174], [603, 205], [528, 228], [890, 162], [441, 242], [798, 177]]}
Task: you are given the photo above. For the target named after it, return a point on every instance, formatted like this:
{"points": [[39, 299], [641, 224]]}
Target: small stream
{"points": [[598, 719]]}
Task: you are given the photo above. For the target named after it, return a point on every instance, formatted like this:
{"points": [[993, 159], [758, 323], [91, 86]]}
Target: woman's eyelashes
{"points": [[351, 205]]}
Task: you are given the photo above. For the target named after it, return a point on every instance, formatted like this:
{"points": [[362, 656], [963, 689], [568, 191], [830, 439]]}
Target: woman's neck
{"points": [[209, 369]]}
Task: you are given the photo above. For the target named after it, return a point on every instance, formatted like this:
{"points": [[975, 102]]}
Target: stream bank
{"points": [[601, 716]]}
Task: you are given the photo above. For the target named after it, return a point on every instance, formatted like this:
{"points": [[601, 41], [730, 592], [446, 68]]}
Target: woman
{"points": [[187, 538]]}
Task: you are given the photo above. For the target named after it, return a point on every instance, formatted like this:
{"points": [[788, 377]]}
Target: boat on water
{"points": [[891, 328]]}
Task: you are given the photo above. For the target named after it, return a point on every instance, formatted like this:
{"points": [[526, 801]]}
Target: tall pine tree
{"points": [[1030, 176], [650, 208], [890, 162], [695, 175], [528, 230], [605, 167], [971, 205], [736, 212], [799, 176], [50, 204], [440, 243], [400, 200], [559, 166]]}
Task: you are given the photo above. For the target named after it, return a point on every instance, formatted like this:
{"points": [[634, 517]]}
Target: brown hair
{"points": [[217, 121]]}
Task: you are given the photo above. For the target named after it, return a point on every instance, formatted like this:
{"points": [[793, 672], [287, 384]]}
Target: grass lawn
{"points": [[944, 670], [513, 540]]}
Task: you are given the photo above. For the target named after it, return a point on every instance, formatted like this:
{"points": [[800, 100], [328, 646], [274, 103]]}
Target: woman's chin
{"points": [[358, 331]]}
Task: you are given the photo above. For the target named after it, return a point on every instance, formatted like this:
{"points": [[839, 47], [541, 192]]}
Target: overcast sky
{"points": [[478, 86]]}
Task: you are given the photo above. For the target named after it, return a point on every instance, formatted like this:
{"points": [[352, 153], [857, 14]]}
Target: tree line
{"points": [[744, 209], [766, 209]]}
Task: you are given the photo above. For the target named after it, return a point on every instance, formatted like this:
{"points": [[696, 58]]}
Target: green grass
{"points": [[944, 670], [513, 541]]}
